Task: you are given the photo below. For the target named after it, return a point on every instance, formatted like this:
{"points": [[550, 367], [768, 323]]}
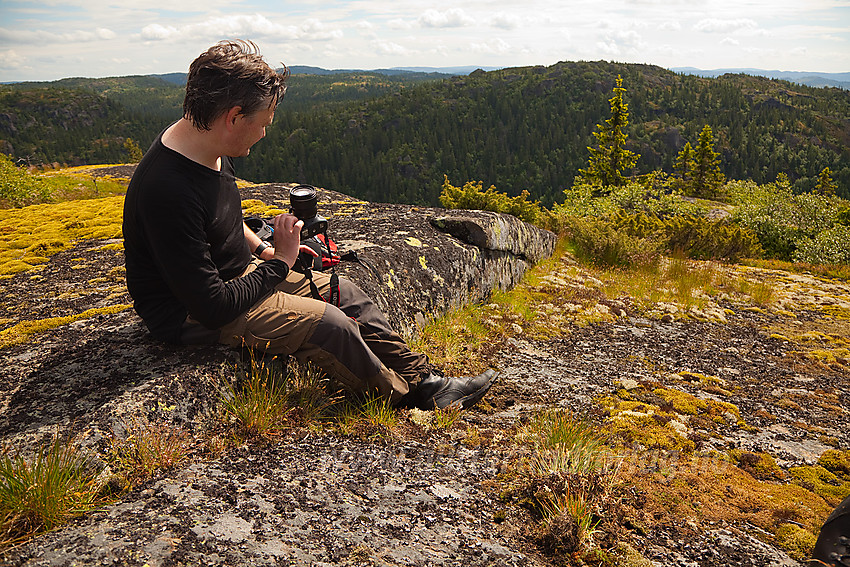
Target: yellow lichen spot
{"points": [[780, 337], [390, 277], [413, 242], [423, 263], [22, 331]]}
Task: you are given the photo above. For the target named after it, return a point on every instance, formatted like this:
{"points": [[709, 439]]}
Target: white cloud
{"points": [[43, 37], [730, 41], [389, 48], [11, 60], [451, 18], [255, 25], [364, 25], [399, 24], [628, 38], [714, 25], [495, 46], [670, 26], [505, 21], [608, 48]]}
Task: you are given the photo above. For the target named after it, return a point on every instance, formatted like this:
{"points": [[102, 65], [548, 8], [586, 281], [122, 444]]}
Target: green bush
{"points": [[599, 242], [780, 219], [701, 238], [652, 194], [473, 196], [692, 236], [19, 188], [832, 246]]}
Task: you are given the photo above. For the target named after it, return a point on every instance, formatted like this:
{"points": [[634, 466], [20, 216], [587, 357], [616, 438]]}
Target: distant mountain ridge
{"points": [[808, 78]]}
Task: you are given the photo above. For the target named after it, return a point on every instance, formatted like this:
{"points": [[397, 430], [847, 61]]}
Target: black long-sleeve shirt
{"points": [[185, 246]]}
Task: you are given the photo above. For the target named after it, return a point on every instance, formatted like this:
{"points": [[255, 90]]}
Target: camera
{"points": [[303, 202], [261, 228]]}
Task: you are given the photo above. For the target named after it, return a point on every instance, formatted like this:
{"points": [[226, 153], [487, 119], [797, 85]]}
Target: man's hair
{"points": [[228, 74]]}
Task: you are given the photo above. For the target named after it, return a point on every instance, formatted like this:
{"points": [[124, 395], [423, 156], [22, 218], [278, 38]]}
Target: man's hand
{"points": [[287, 239]]}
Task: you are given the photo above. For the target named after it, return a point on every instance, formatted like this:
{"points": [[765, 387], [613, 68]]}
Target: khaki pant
{"points": [[352, 343]]}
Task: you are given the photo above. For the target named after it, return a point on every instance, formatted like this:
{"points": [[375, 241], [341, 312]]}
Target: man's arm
{"points": [[254, 242]]}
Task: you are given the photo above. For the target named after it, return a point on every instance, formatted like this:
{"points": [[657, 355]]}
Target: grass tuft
{"points": [[277, 394], [564, 445], [59, 483], [259, 404], [371, 415], [148, 448]]}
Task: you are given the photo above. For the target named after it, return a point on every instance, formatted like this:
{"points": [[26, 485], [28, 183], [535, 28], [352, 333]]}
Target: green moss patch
{"points": [[798, 542], [22, 331], [31, 235]]}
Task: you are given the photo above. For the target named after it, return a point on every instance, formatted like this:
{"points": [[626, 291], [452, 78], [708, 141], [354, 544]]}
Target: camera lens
{"points": [[304, 205], [304, 201]]}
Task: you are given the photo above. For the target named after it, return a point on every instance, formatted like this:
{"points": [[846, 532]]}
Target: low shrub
{"points": [[780, 219], [832, 246], [473, 196], [704, 239], [599, 242], [18, 187]]}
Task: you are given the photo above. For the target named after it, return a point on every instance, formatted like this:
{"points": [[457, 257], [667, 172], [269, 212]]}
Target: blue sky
{"points": [[48, 40]]}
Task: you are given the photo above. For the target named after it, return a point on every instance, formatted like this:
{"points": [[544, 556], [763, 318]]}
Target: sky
{"points": [[43, 40]]}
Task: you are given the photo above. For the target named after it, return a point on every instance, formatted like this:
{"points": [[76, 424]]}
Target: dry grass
{"points": [[274, 395], [147, 448], [58, 483]]}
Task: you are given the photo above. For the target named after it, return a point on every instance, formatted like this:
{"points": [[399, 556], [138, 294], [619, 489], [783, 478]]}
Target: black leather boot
{"points": [[437, 391]]}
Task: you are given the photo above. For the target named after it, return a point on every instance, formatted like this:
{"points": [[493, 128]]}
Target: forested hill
{"points": [[529, 128], [392, 138]]}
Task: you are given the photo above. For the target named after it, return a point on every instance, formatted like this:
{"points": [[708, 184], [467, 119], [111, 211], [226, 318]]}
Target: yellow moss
{"points": [[798, 542], [22, 331], [682, 402], [645, 424], [411, 241], [822, 482], [31, 235], [423, 263], [258, 208], [761, 465], [837, 462], [780, 337]]}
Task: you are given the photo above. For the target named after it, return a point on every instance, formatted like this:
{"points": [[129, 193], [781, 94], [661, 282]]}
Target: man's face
{"points": [[250, 129]]}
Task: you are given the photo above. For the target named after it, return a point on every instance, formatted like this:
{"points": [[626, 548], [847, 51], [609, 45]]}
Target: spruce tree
{"points": [[610, 158], [706, 177], [825, 185], [683, 168]]}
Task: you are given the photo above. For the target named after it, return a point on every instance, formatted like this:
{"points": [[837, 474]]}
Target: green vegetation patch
{"points": [[21, 332], [29, 236]]}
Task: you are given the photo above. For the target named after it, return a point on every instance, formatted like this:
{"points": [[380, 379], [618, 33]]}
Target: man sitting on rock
{"points": [[190, 268]]}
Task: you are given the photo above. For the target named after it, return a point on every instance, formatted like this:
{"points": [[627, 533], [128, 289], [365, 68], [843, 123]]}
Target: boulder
{"points": [[86, 375]]}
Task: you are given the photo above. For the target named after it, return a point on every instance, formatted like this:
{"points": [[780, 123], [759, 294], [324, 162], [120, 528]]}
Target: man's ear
{"points": [[232, 115]]}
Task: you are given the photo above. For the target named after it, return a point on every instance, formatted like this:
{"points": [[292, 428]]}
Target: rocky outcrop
{"points": [[420, 262], [89, 374]]}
